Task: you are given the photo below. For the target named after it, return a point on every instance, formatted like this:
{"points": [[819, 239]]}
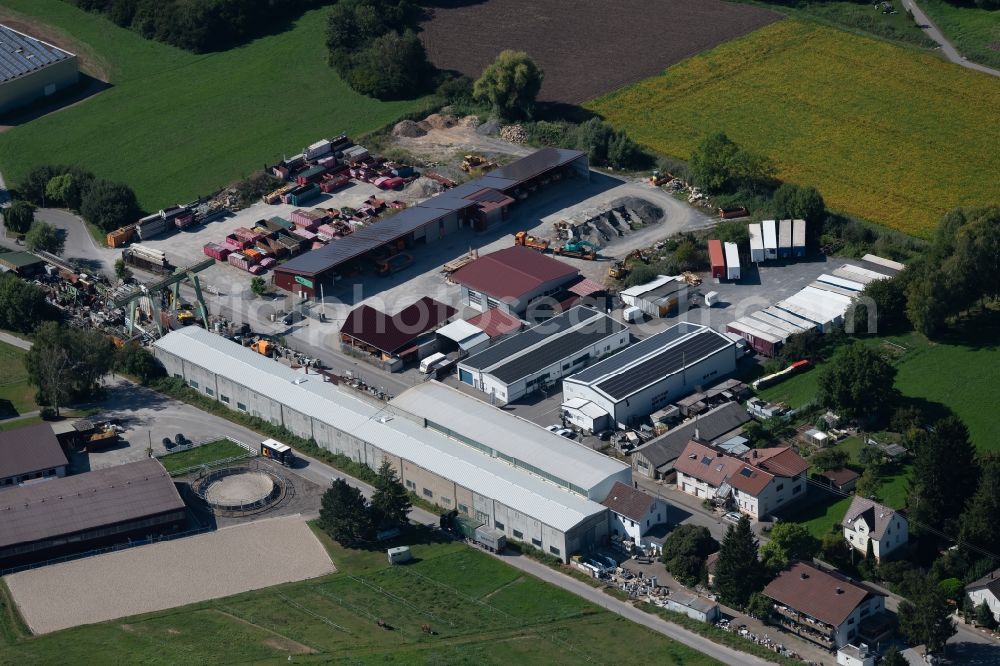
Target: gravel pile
{"points": [[440, 122], [513, 133], [408, 128], [228, 561]]}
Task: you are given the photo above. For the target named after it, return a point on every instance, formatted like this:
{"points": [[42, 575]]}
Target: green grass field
{"points": [[796, 391], [886, 133], [16, 395], [480, 610], [202, 455], [974, 32], [176, 125]]}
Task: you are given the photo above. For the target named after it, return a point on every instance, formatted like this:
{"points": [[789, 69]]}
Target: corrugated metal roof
{"points": [[770, 234], [536, 164], [435, 452], [390, 334], [756, 237], [641, 289], [512, 272], [798, 233], [29, 449], [509, 435], [21, 54], [86, 501], [496, 322]]}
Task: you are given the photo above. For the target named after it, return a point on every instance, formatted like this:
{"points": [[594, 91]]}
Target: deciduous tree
{"points": [[925, 618], [109, 205], [788, 541], [18, 216], [510, 85], [44, 237], [858, 382], [22, 304], [685, 550]]}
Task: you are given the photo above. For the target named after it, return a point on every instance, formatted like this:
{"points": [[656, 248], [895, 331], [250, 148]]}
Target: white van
{"points": [[427, 365]]}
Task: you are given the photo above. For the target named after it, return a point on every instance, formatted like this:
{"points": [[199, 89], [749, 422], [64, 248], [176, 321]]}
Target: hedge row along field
{"points": [[888, 134], [174, 124]]}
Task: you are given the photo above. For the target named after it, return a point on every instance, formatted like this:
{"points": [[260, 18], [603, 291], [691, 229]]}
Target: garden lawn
{"points": [[795, 391], [16, 395], [974, 32], [489, 614], [202, 455], [886, 133], [176, 125]]}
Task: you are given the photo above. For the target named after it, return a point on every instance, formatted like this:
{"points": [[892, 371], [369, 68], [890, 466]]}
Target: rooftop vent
{"points": [[803, 575], [840, 590]]}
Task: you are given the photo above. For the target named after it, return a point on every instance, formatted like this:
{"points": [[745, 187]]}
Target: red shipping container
{"points": [[717, 259]]}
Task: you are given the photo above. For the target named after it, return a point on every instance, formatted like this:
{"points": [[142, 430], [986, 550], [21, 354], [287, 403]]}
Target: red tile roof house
{"points": [[760, 483], [826, 607], [510, 279], [633, 513]]}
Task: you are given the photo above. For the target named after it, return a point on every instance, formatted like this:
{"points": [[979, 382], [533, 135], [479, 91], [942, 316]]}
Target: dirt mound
{"points": [[472, 122], [619, 218], [408, 128], [441, 122], [513, 133], [645, 211], [422, 188]]}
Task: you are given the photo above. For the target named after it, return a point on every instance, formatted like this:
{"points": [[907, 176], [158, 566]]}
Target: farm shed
{"points": [[656, 298], [448, 447], [732, 262], [784, 239], [756, 243], [477, 204], [798, 238], [22, 264], [511, 279], [717, 258], [394, 340], [77, 513], [770, 239], [29, 453], [543, 354], [31, 69], [658, 370]]}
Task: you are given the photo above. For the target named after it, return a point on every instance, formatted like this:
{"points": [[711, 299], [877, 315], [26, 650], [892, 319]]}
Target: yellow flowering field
{"points": [[888, 134]]}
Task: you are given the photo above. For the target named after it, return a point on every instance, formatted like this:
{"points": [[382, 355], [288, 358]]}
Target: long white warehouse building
{"points": [[534, 486], [652, 373]]}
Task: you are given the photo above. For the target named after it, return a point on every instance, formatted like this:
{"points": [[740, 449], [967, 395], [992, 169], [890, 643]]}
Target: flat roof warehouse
{"points": [[502, 181], [449, 457]]}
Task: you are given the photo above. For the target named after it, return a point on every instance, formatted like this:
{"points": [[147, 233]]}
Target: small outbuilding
{"points": [[390, 341], [30, 454]]}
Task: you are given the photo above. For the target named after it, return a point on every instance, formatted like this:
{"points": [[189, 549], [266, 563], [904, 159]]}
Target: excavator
{"points": [[522, 238], [579, 249]]}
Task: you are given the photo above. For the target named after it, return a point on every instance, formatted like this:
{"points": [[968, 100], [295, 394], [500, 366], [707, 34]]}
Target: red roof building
{"points": [[379, 334], [496, 323], [511, 278]]}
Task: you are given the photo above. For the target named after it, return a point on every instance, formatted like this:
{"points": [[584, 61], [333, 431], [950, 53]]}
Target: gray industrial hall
{"points": [[31, 69]]}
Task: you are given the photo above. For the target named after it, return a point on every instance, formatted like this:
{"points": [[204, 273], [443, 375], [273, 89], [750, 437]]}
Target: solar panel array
{"points": [[554, 351], [657, 367], [634, 353], [21, 54], [532, 336]]}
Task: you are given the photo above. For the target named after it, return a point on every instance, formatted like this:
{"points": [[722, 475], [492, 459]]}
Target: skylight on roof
{"points": [[706, 460], [747, 472]]}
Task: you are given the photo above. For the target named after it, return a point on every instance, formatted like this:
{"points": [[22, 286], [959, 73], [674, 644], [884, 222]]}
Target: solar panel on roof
{"points": [[747, 472], [661, 365], [706, 460], [631, 354], [22, 54], [532, 336]]}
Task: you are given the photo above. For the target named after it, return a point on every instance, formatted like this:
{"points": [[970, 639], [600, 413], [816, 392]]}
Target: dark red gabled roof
{"points": [[390, 334], [512, 272], [496, 322]]}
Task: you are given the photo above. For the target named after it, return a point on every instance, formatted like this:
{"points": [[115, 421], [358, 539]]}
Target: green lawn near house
{"points": [[175, 125], [480, 610]]}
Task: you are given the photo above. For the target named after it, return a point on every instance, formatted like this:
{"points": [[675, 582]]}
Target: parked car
{"points": [[554, 428], [565, 432], [733, 517], [609, 562]]}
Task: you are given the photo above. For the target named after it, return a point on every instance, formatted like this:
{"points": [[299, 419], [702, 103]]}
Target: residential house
{"points": [[867, 520], [633, 513], [759, 483], [986, 590], [826, 607]]}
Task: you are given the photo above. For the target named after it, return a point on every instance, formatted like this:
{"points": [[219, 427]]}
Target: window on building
{"points": [[780, 487], [178, 375], [482, 517], [537, 543], [209, 391], [554, 550], [224, 398], [796, 489], [428, 493], [518, 535], [411, 485], [497, 524], [464, 509], [193, 383], [850, 621], [445, 501], [240, 406]]}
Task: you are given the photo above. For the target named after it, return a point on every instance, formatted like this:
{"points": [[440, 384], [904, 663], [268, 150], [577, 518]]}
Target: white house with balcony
{"points": [[868, 521]]}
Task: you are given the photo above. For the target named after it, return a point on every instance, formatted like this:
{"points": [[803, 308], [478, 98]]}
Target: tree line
{"points": [[202, 26], [352, 520]]}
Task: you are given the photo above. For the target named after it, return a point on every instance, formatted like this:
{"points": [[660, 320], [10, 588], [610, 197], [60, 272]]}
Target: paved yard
{"points": [[168, 574]]}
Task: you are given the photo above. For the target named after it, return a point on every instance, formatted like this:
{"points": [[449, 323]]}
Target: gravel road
{"points": [[169, 574]]}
